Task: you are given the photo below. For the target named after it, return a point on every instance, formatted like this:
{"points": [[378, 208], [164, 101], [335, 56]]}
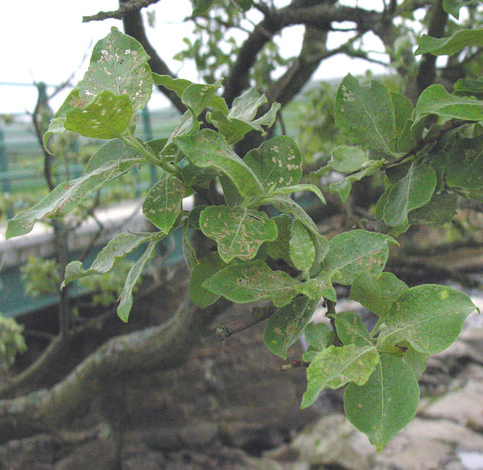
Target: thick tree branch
{"points": [[312, 53], [133, 25], [319, 16], [156, 348], [436, 27], [129, 7]]}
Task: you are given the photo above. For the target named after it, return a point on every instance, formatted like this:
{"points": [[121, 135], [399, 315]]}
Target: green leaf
{"points": [[239, 232], [403, 109], [280, 247], [335, 366], [192, 175], [301, 187], [317, 335], [356, 251], [406, 140], [72, 102], [208, 149], [366, 115], [206, 268], [119, 65], [287, 324], [252, 281], [179, 85], [288, 205], [347, 159], [429, 317], [471, 87], [343, 187], [116, 249], [453, 6], [105, 117], [385, 403], [302, 250], [230, 193], [163, 202], [126, 297], [201, 7], [189, 252], [449, 46], [56, 126], [413, 191], [243, 5], [196, 97], [111, 152], [320, 286], [277, 162], [416, 361], [65, 197], [440, 210], [377, 293], [436, 100], [350, 329], [465, 168], [240, 120]]}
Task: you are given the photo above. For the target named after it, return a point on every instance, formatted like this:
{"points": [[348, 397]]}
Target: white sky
{"points": [[46, 41]]}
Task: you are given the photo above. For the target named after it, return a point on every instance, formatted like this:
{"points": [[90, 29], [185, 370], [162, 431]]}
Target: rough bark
{"points": [[156, 348]]}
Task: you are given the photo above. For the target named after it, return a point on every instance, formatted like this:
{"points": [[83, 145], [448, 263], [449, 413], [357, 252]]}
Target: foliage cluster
{"points": [[268, 249]]}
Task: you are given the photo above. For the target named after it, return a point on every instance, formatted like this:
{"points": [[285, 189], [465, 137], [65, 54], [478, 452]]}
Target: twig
{"points": [[257, 315], [124, 10], [447, 126]]}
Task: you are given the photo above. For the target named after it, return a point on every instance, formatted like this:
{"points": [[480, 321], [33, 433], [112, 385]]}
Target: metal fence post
{"points": [[6, 186]]}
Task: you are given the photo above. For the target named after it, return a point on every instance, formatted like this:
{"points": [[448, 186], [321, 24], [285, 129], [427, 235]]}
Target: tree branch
{"points": [[257, 315], [156, 348], [427, 65], [312, 53], [318, 16], [125, 9], [133, 25]]}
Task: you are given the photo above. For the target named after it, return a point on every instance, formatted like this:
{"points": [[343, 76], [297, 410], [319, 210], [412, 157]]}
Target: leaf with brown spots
{"points": [[120, 246], [207, 149], [163, 202], [239, 232], [66, 196], [287, 324], [385, 403], [252, 281], [277, 163], [240, 119], [107, 116], [354, 252], [119, 64], [366, 115], [335, 366]]}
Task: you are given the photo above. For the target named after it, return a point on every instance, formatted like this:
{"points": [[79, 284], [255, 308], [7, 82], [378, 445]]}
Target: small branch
{"points": [[294, 365], [447, 126], [126, 9], [257, 315]]}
